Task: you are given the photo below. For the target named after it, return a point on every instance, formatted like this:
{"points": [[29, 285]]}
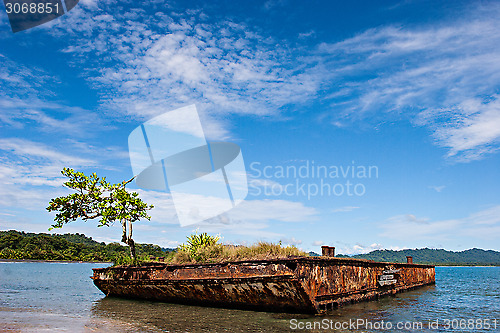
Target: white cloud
{"points": [[409, 227], [291, 241], [161, 62], [473, 130], [164, 210], [490, 216], [29, 172], [261, 212], [318, 243], [443, 76], [438, 188], [279, 210], [358, 248], [484, 224], [48, 116], [345, 209], [28, 149], [30, 199], [257, 186], [89, 3], [4, 20], [272, 4], [25, 102], [250, 217], [307, 34]]}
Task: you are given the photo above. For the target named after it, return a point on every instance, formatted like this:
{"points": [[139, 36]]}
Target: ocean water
{"points": [[38, 297]]}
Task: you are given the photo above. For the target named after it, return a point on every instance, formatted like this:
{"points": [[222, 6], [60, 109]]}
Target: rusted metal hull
{"points": [[304, 285]]}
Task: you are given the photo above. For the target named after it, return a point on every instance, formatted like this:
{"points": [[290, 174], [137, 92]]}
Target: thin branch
{"points": [[128, 181], [91, 217]]}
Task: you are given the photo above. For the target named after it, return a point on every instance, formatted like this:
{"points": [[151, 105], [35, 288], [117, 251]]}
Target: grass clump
{"points": [[206, 249]]}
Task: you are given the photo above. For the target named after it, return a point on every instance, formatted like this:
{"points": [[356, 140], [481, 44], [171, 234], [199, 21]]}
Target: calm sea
{"points": [[37, 297]]}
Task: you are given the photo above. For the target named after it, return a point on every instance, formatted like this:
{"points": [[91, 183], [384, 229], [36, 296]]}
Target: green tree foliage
{"points": [[95, 198], [77, 247]]}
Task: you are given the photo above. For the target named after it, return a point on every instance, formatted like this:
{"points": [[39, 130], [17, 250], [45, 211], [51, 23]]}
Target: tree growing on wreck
{"points": [[95, 198]]}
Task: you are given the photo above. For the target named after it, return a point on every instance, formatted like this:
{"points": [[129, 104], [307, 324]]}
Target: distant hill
{"points": [[78, 239], [21, 245], [472, 257], [40, 246]]}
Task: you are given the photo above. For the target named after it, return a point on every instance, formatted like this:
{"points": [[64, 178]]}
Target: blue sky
{"points": [[409, 88]]}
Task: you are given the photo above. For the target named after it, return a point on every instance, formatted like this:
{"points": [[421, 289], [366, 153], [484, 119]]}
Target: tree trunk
{"points": [[130, 241], [131, 244], [127, 239], [124, 231]]}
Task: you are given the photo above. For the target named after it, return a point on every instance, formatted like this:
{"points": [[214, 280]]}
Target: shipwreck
{"points": [[294, 284]]}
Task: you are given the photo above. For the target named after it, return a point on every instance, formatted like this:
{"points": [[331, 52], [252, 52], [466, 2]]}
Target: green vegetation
{"points": [[95, 198], [205, 249], [78, 247], [201, 248], [472, 257], [195, 243]]}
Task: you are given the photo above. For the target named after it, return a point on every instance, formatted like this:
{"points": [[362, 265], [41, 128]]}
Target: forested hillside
{"points": [[435, 256], [21, 245]]}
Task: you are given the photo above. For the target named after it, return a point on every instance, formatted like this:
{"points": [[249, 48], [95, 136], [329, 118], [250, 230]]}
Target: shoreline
{"points": [[109, 262], [467, 265], [56, 261]]}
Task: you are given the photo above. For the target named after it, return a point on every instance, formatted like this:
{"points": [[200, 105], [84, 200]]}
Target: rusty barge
{"points": [[298, 284]]}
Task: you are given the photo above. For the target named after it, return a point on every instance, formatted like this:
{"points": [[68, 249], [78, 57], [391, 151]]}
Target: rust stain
{"points": [[304, 285]]}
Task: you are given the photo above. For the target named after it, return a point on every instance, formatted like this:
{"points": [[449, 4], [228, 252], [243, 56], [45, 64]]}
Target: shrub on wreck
{"points": [[206, 249]]}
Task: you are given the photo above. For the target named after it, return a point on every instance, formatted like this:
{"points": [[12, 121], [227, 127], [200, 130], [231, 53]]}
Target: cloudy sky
{"points": [[362, 124]]}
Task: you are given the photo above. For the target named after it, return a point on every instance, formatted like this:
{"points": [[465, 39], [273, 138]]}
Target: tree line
{"points": [[471, 257], [78, 247]]}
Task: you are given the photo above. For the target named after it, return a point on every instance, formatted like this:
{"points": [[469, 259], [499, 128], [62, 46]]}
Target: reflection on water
{"points": [[153, 316], [49, 297]]}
